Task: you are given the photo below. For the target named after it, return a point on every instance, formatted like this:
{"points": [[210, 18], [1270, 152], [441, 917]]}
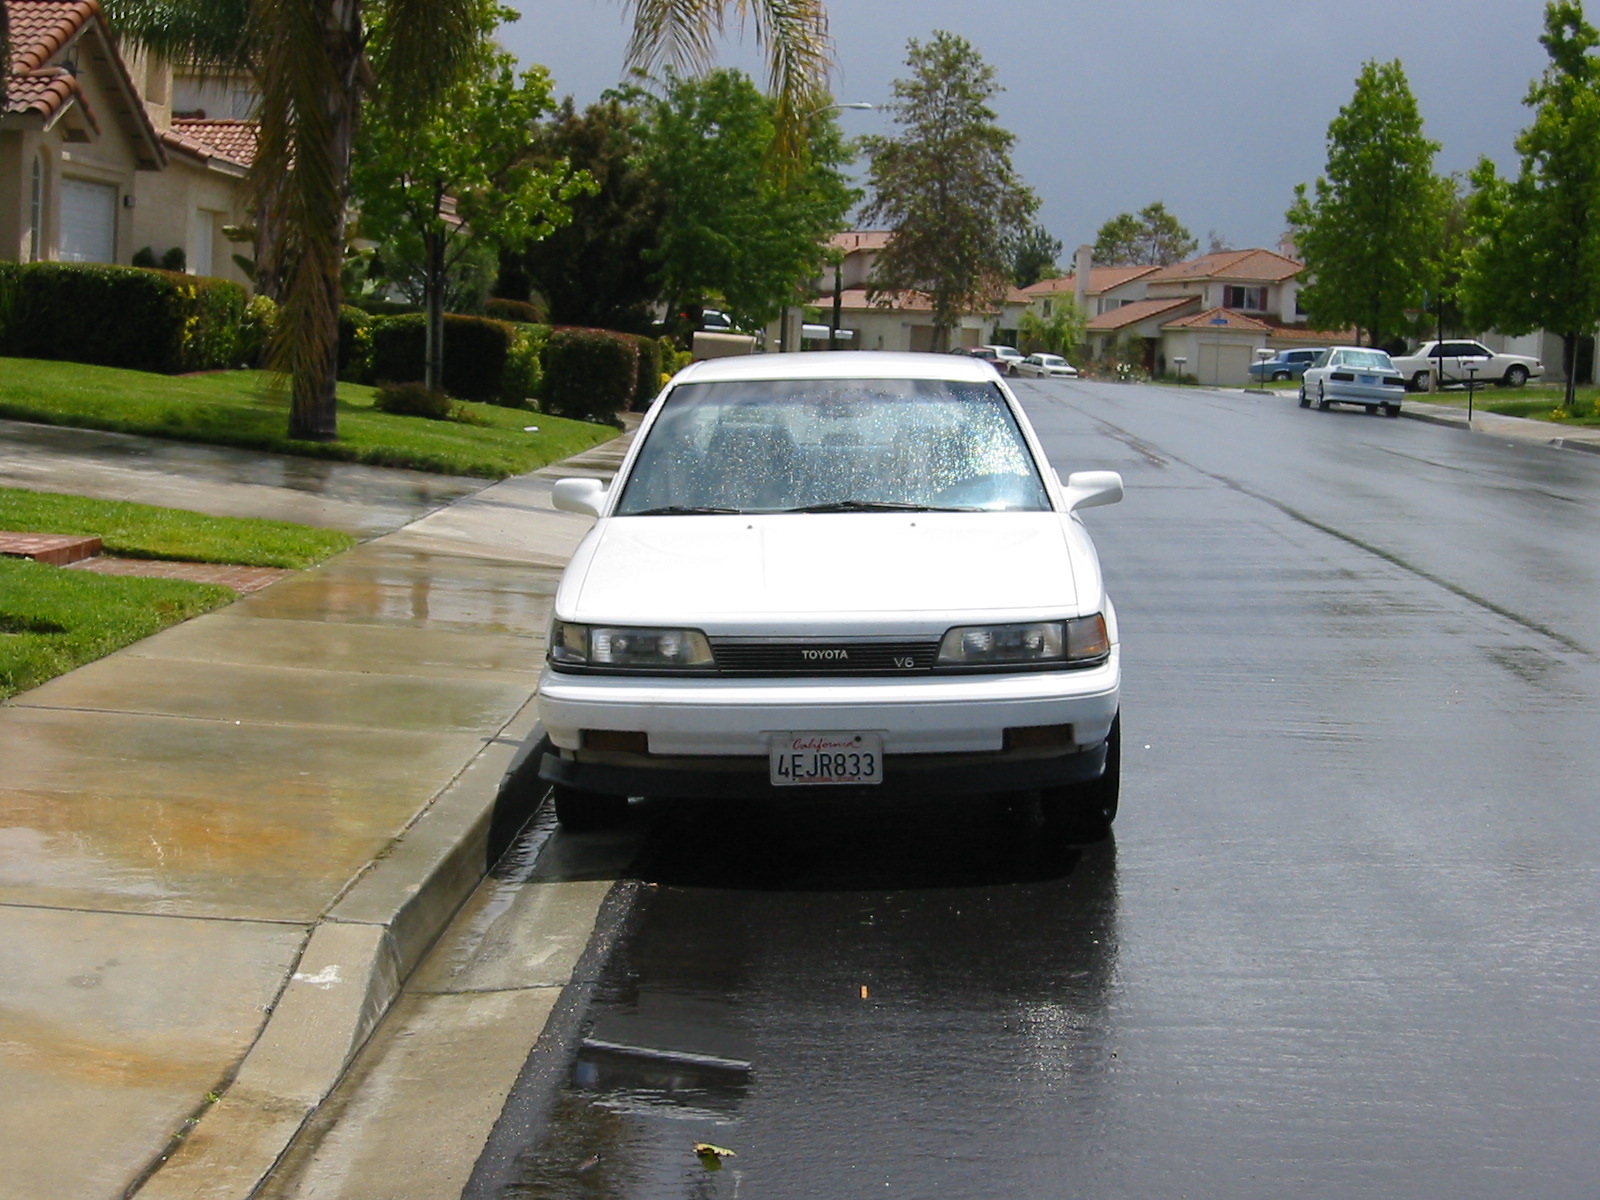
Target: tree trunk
{"points": [[313, 413], [433, 345], [1569, 357]]}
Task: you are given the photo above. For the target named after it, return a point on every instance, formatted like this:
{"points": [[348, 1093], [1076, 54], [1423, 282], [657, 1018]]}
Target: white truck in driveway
{"points": [[1456, 362]]}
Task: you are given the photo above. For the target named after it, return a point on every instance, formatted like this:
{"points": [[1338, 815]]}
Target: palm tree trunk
{"points": [[323, 146]]}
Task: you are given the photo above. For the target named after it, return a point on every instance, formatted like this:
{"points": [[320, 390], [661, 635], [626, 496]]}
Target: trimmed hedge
{"points": [[355, 344], [521, 311], [648, 375], [589, 374], [120, 317], [484, 360]]}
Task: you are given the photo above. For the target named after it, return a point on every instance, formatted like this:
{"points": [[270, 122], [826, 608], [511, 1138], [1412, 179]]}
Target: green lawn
{"points": [[1536, 401], [238, 408], [53, 620], [146, 531]]}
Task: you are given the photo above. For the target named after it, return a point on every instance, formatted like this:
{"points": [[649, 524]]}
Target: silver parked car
{"points": [[1045, 366], [1353, 375]]}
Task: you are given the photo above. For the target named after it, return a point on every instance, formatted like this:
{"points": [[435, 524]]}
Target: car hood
{"points": [[864, 570]]}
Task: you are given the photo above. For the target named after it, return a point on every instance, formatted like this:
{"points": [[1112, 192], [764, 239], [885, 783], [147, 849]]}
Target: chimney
{"points": [[1081, 264]]}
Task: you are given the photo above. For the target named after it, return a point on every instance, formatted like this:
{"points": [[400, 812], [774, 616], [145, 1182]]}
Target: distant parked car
{"points": [[1046, 366], [1286, 364], [714, 320], [1002, 358], [1353, 375], [1461, 361]]}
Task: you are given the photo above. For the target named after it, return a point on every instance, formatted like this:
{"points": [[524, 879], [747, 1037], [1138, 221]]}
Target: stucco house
{"points": [[1105, 288], [903, 321], [93, 165]]}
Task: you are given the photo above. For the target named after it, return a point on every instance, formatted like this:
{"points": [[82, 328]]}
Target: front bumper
{"points": [[942, 734]]}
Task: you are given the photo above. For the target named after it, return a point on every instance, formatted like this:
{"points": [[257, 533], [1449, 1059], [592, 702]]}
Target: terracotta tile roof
{"points": [[856, 298], [1140, 310], [1220, 318], [41, 29], [861, 239], [1101, 279], [1253, 265], [230, 141], [1311, 337]]}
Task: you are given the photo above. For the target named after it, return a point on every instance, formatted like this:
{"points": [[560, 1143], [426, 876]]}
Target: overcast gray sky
{"points": [[1217, 108]]}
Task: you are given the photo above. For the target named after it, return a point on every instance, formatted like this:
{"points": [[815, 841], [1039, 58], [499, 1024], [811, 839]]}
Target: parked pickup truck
{"points": [[1458, 361]]}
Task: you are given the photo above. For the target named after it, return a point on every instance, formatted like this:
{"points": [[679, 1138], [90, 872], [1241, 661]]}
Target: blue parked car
{"points": [[1286, 364]]}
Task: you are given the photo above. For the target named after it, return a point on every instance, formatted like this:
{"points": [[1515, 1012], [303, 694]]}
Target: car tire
{"points": [[1280, 377], [1083, 812], [1391, 410], [1323, 403], [579, 811], [1305, 400], [1516, 375], [1419, 381]]}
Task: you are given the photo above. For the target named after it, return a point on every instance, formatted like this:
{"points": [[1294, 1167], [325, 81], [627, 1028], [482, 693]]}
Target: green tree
{"points": [[1033, 256], [311, 62], [734, 227], [593, 270], [1534, 258], [1058, 333], [945, 186], [461, 179], [1369, 233], [1152, 237]]}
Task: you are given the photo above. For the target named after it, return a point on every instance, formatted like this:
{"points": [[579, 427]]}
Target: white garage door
{"points": [[88, 221]]}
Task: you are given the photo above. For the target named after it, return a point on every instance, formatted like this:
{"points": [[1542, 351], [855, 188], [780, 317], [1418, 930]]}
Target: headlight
{"points": [[1081, 640], [623, 647]]}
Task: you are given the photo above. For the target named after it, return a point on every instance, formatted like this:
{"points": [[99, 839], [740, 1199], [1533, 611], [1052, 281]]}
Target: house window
{"points": [[1047, 308], [1245, 299], [36, 213]]}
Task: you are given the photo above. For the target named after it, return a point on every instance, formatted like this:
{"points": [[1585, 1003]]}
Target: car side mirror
{"points": [[1090, 489], [583, 496]]}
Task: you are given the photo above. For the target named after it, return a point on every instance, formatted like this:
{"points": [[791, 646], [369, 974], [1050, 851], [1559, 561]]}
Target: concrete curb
{"points": [[354, 965], [359, 955]]}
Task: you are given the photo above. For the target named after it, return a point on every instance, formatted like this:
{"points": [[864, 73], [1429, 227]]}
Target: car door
{"points": [[1461, 361]]}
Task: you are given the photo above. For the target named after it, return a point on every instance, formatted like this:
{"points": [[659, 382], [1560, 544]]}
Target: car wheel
{"points": [[1280, 376], [1516, 375], [579, 811], [1391, 410], [1323, 403], [1419, 382], [1083, 812], [1305, 400]]}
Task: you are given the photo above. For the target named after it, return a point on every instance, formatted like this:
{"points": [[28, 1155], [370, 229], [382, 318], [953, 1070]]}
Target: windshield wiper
{"points": [[682, 510], [869, 506]]}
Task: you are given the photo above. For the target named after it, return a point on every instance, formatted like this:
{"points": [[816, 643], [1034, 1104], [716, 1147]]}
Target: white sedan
{"points": [[834, 571], [1045, 366], [1353, 375]]}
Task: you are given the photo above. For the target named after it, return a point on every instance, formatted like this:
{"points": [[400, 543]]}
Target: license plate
{"points": [[803, 759], [1368, 379]]}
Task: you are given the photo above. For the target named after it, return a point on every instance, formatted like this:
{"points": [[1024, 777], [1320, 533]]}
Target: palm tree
{"points": [[313, 63]]}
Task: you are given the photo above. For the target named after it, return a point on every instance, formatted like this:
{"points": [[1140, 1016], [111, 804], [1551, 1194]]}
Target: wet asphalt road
{"points": [[1345, 941]]}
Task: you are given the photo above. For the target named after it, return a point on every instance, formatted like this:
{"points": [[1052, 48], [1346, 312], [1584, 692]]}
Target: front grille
{"points": [[823, 656]]}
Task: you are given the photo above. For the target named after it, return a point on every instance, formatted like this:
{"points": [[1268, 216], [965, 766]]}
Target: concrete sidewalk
{"points": [[225, 847]]}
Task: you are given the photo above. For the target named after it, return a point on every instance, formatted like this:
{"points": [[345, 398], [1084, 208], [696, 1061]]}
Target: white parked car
{"points": [[1464, 361], [1046, 366], [847, 570], [1005, 358], [1353, 375]]}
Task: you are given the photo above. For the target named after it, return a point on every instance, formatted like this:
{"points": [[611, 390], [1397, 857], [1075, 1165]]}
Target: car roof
{"points": [[838, 364]]}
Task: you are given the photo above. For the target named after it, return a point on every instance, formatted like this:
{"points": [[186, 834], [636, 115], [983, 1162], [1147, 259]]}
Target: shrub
{"points": [[122, 317], [523, 311], [648, 371], [413, 400], [524, 375], [256, 330], [355, 344], [477, 355], [175, 259], [589, 373], [146, 257]]}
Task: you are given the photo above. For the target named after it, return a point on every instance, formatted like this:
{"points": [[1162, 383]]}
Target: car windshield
{"points": [[1366, 360], [833, 445]]}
